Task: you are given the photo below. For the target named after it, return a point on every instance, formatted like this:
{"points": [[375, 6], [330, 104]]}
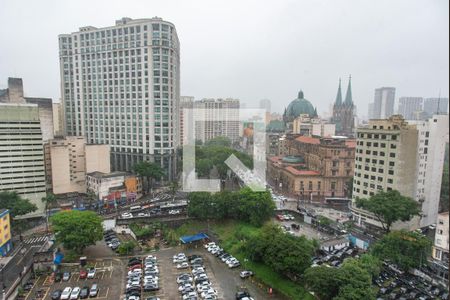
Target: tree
{"points": [[126, 247], [49, 201], [444, 200], [322, 281], [256, 207], [389, 207], [348, 282], [405, 249], [284, 253], [150, 171], [77, 230], [17, 205]]}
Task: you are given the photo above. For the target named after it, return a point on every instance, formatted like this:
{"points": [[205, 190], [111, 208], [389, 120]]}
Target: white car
{"points": [[211, 291], [230, 260], [66, 293], [183, 265], [185, 286], [189, 295], [91, 273], [204, 288], [127, 215], [209, 245], [179, 260], [75, 293]]}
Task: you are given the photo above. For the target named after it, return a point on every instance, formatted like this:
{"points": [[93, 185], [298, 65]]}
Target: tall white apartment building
{"points": [[410, 107], [120, 86], [393, 154], [21, 153], [186, 102], [220, 117]]}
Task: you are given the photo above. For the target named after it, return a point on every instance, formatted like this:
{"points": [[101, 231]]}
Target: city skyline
{"points": [[374, 59]]}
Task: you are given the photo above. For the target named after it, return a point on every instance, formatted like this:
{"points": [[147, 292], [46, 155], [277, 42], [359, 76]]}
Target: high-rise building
{"points": [[58, 121], [393, 154], [265, 104], [69, 159], [383, 105], [21, 153], [344, 112], [217, 117], [410, 107], [304, 125], [120, 86], [435, 106], [371, 112], [14, 94], [186, 102]]}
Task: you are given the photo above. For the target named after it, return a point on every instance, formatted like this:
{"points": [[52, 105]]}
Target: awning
{"points": [[193, 238]]}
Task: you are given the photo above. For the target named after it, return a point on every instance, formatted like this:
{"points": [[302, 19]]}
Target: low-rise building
{"points": [[304, 125], [116, 188], [441, 240], [5, 233]]}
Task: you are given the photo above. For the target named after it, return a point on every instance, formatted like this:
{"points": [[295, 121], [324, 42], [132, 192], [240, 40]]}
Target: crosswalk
{"points": [[36, 240]]}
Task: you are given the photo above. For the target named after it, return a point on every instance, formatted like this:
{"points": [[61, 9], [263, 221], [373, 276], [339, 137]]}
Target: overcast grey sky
{"points": [[253, 49]]}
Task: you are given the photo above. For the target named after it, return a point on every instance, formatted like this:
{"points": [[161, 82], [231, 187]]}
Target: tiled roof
{"points": [[295, 171], [308, 140]]}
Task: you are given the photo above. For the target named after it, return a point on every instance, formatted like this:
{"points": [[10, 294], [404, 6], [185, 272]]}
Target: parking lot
{"points": [[107, 273], [224, 280]]}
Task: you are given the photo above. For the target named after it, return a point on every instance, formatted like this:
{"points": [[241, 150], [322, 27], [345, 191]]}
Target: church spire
{"points": [[348, 96], [338, 101]]}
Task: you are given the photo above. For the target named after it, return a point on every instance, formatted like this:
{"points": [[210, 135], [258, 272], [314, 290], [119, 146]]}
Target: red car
{"points": [[280, 217], [83, 274], [138, 266]]}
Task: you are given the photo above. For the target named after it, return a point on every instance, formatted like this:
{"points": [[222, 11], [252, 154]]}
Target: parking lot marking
{"points": [[34, 284], [106, 296]]}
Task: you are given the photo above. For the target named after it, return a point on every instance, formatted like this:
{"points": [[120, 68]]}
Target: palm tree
{"points": [[50, 201]]}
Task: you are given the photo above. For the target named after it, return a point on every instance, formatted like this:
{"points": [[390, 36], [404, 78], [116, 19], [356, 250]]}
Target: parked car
{"points": [[94, 290], [245, 274], [84, 293], [83, 274], [56, 295], [65, 295], [66, 276], [91, 273], [75, 293]]}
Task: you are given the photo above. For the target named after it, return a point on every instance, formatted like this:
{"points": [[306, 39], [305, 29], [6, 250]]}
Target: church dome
{"points": [[299, 107]]}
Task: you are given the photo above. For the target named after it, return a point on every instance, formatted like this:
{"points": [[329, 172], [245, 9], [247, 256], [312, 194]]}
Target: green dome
{"points": [[299, 107], [292, 159]]}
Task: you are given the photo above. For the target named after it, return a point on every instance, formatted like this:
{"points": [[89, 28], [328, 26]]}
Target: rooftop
{"points": [[100, 175], [297, 172]]}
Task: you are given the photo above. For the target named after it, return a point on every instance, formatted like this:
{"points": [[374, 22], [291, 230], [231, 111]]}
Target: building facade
{"points": [[220, 118], [120, 86], [69, 159], [5, 232], [383, 104], [58, 120], [393, 154], [117, 188], [22, 166], [186, 102], [410, 107], [304, 125], [315, 169], [441, 240], [344, 112], [14, 94]]}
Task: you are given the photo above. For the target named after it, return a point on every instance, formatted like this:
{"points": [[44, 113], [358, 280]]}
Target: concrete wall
{"points": [[98, 158]]}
